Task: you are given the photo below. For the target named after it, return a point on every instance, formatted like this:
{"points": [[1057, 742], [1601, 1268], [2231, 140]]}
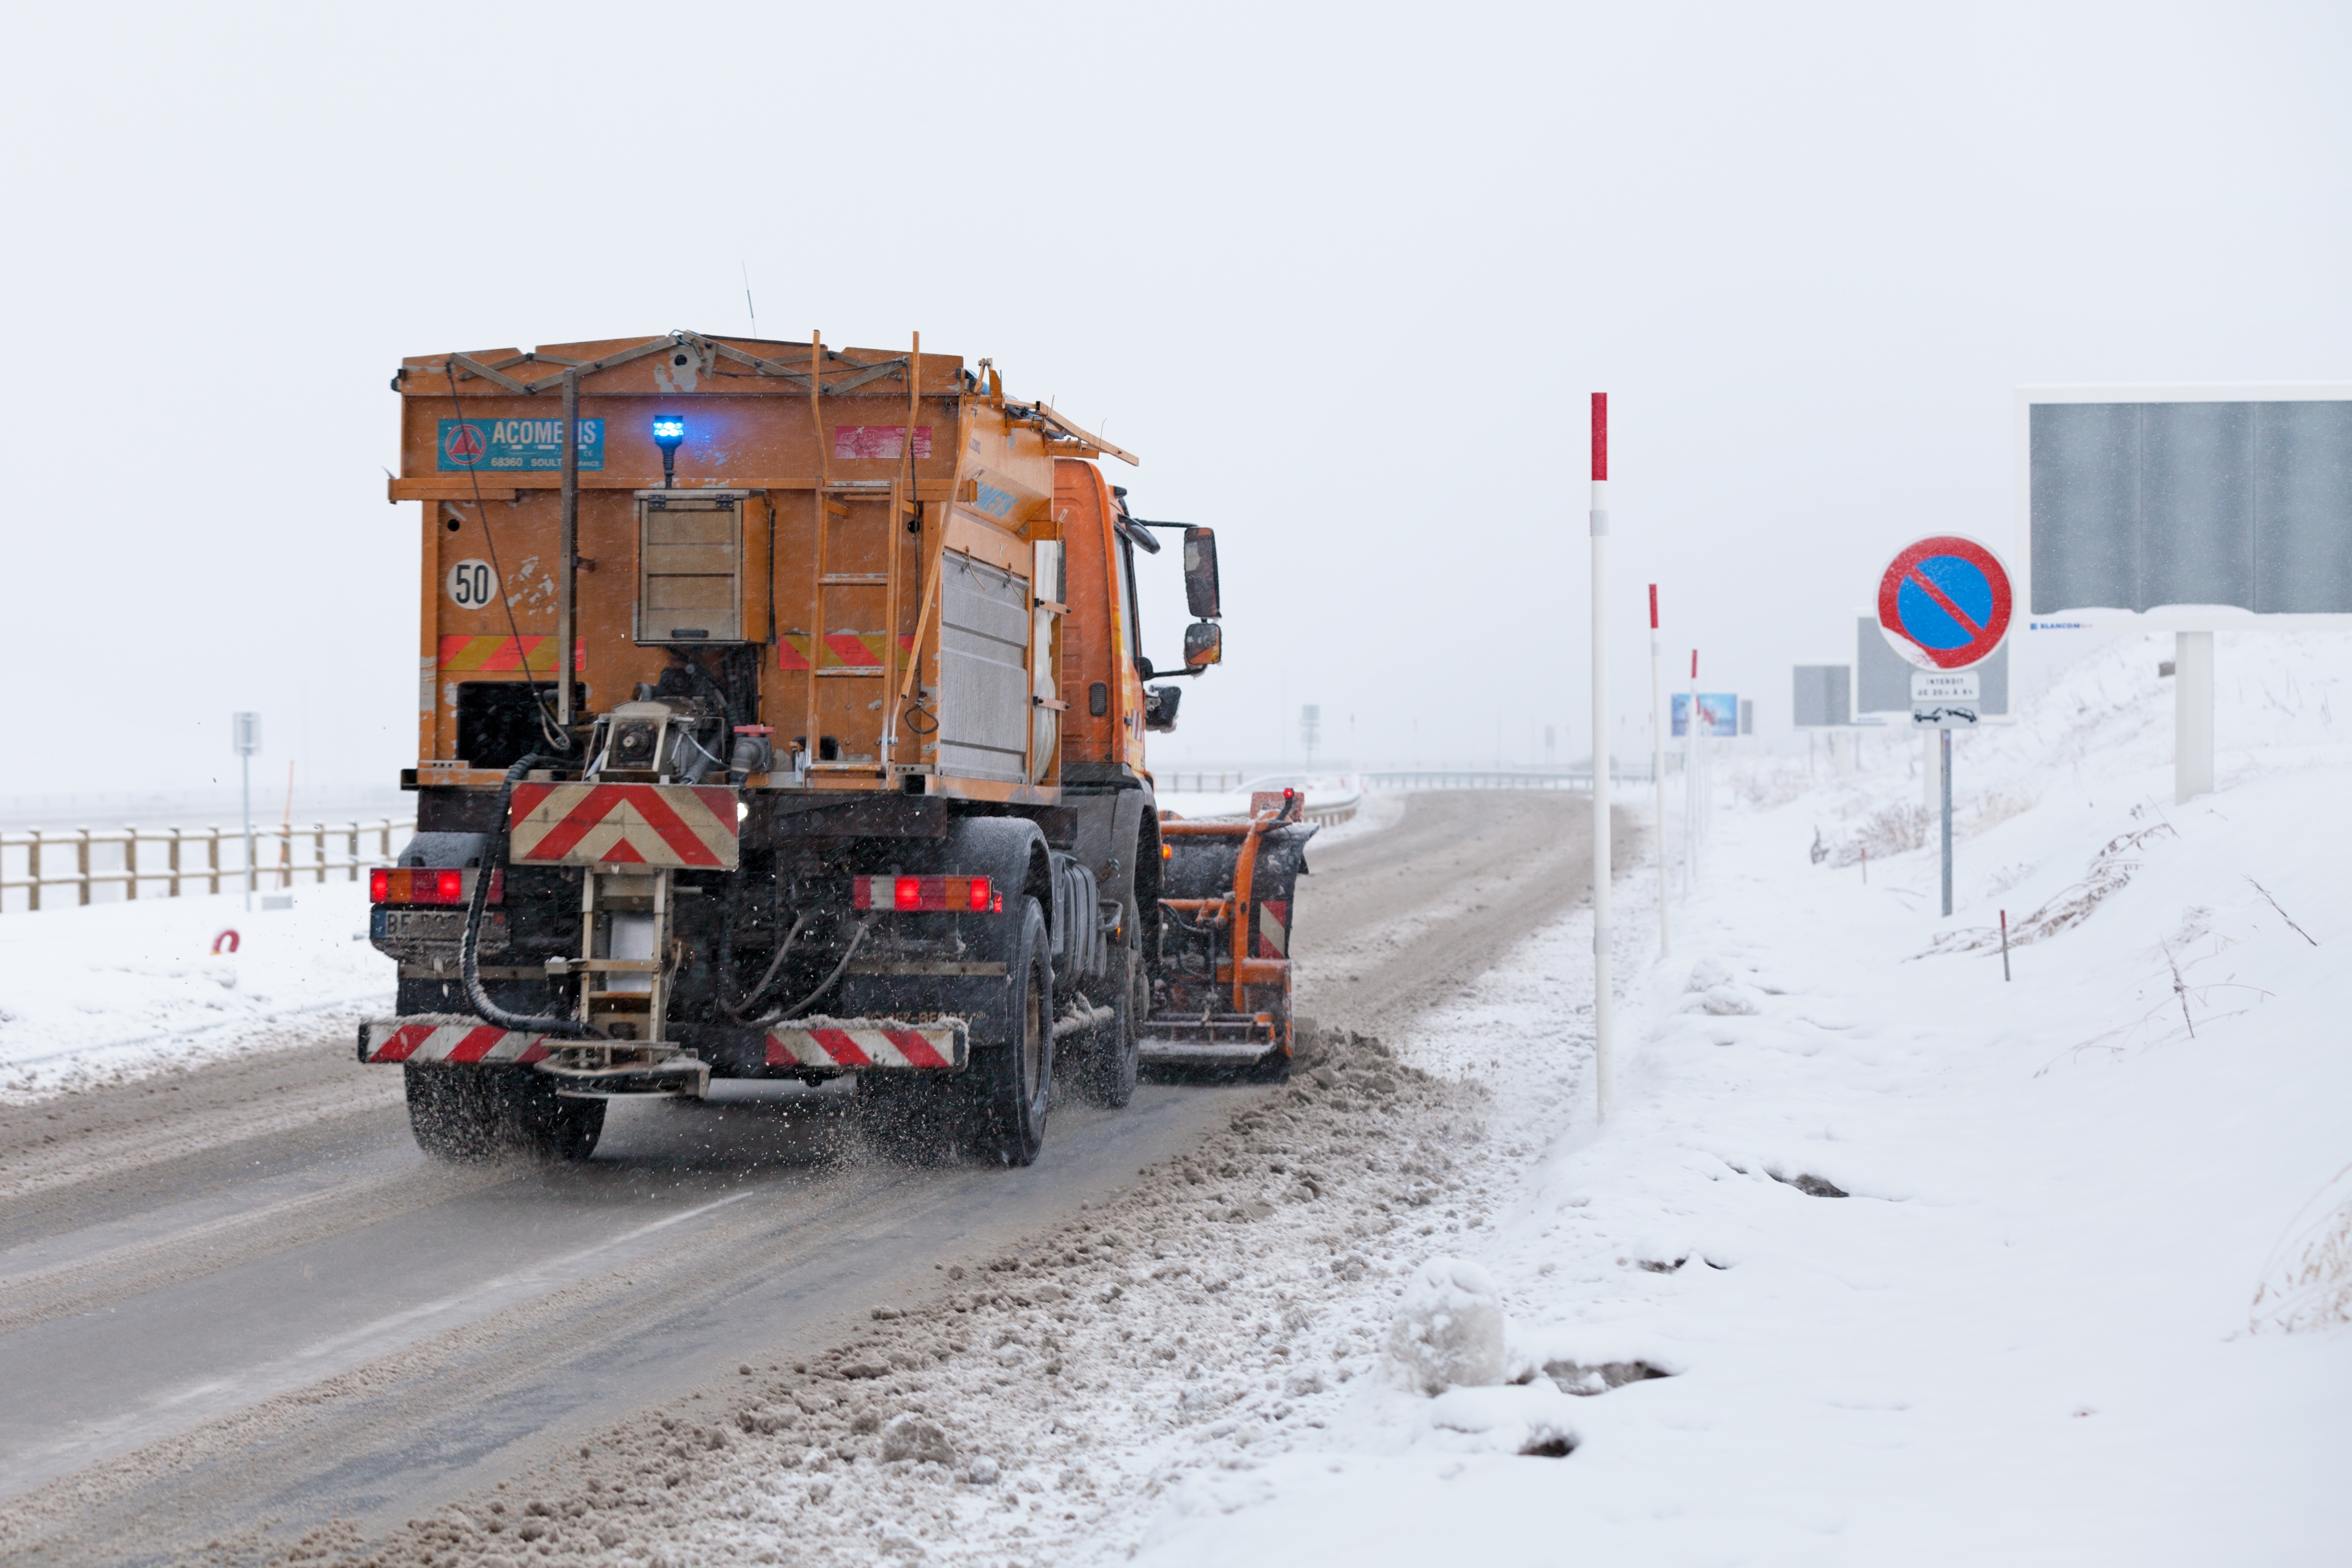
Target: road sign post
{"points": [[245, 735], [1944, 605], [1944, 744], [2192, 715]]}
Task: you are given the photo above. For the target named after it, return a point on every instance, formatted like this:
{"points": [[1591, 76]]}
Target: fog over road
{"points": [[240, 1294]]}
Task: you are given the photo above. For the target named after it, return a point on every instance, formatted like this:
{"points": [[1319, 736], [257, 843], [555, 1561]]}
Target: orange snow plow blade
{"points": [[1222, 997]]}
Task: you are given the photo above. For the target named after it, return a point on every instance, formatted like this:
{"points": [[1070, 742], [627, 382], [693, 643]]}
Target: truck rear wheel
{"points": [[1107, 1070], [474, 1114], [1011, 1072]]}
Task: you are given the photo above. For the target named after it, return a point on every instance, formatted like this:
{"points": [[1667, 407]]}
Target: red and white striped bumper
{"points": [[860, 1044], [394, 1040]]}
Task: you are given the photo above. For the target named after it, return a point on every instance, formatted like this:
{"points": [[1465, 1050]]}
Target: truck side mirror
{"points": [[1160, 705], [1205, 644], [1201, 578]]}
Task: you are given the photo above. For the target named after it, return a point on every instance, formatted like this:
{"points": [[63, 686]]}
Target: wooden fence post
{"points": [[319, 849], [355, 852], [175, 863], [81, 860], [33, 872], [213, 849], [130, 861]]}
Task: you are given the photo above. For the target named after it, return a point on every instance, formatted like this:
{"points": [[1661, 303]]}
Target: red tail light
{"points": [[399, 885], [925, 893]]}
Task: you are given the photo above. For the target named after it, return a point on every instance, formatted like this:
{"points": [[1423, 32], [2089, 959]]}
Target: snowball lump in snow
{"points": [[1448, 1329], [1707, 973], [909, 1436]]}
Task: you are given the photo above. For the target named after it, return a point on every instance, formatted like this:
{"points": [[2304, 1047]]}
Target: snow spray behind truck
{"points": [[782, 713]]}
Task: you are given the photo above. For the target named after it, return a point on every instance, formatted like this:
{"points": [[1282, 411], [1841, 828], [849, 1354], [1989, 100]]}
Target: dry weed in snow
{"points": [[2308, 1284], [1888, 831], [1196, 1321], [2111, 871]]}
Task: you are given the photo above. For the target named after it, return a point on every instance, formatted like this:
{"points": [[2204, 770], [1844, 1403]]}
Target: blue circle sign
{"points": [[1944, 603]]}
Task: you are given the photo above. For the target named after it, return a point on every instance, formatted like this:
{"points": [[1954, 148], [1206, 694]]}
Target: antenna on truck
{"points": [[748, 309]]}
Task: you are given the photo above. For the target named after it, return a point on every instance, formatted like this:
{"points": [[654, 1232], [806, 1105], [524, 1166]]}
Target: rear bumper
{"points": [[861, 1045], [822, 1044], [441, 1040]]}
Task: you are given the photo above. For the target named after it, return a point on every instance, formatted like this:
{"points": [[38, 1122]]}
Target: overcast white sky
{"points": [[1342, 276]]}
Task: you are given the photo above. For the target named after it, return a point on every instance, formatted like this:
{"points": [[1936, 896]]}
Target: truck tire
{"points": [[1107, 1069], [468, 1114], [1012, 1073]]}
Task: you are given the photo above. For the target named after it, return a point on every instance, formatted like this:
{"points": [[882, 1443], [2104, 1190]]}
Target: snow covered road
{"points": [[236, 1293]]}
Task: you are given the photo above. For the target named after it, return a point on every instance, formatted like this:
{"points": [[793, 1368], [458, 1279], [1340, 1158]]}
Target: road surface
{"points": [[239, 1295]]}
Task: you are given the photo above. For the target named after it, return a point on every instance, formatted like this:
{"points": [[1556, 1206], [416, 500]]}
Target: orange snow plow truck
{"points": [[782, 713]]}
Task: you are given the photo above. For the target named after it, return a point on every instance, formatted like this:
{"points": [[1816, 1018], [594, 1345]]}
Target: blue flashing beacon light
{"points": [[670, 434]]}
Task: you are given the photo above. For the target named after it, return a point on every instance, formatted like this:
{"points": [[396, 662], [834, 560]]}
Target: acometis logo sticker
{"points": [[504, 445], [462, 444]]}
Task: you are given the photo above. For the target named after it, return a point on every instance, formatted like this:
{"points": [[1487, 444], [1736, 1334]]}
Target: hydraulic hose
{"points": [[758, 992], [469, 948], [809, 1000]]}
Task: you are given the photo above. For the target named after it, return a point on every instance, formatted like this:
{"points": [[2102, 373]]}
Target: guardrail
{"points": [[1328, 813], [1173, 784], [1487, 778], [43, 868]]}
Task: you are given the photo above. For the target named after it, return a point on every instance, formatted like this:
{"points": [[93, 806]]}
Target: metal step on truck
{"points": [[782, 713]]}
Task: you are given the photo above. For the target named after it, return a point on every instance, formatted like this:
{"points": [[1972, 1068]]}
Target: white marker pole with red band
{"points": [[1658, 773], [1691, 785], [1604, 1075]]}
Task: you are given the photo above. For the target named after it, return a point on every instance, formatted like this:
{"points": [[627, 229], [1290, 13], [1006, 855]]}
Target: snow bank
{"points": [[1886, 1259], [119, 991]]}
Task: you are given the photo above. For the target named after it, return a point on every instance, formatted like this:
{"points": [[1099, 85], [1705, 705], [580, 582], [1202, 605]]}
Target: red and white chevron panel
{"points": [[685, 827], [1273, 927], [867, 1043], [390, 1040]]}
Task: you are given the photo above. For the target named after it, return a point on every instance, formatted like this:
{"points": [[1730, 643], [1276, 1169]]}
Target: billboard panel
{"points": [[1718, 714], [1824, 694], [2141, 497]]}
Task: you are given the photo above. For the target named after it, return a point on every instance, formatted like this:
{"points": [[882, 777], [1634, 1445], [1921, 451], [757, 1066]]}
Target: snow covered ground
{"points": [[2047, 1321], [118, 991], [1882, 1258]]}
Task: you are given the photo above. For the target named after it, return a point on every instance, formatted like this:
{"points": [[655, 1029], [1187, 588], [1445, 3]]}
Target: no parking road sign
{"points": [[1944, 603]]}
